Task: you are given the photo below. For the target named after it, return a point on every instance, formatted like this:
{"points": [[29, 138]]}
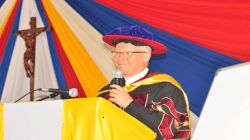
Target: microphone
{"points": [[118, 78], [71, 92]]}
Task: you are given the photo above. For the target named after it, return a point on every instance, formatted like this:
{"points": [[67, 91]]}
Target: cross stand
{"points": [[29, 36]]}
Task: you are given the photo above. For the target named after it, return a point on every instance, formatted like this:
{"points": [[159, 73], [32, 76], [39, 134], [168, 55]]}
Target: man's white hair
{"points": [[149, 49]]}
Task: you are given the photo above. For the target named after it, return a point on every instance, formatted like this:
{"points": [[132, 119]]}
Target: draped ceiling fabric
{"points": [[192, 65], [221, 26], [202, 36], [4, 14], [1, 2]]}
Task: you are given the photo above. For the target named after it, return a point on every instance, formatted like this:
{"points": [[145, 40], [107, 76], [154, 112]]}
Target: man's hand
{"points": [[119, 96]]}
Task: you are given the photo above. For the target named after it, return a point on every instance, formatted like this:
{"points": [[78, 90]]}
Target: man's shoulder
{"points": [[152, 74]]}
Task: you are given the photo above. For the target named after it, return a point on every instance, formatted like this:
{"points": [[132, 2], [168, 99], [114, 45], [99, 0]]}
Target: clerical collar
{"points": [[136, 77]]}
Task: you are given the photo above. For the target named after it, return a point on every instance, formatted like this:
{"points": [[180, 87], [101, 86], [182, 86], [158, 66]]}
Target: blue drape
{"points": [[192, 65]]}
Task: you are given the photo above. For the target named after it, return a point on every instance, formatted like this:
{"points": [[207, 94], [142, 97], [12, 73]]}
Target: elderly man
{"points": [[155, 99]]}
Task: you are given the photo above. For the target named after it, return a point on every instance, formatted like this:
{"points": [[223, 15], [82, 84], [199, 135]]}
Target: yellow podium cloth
{"points": [[1, 121], [98, 119]]}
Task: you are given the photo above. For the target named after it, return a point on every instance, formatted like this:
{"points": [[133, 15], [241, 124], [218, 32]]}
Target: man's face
{"points": [[133, 63]]}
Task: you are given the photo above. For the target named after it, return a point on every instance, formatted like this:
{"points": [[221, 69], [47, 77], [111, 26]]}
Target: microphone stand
{"points": [[53, 95], [25, 95]]}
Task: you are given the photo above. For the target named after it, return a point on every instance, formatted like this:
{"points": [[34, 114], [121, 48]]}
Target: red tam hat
{"points": [[135, 33]]}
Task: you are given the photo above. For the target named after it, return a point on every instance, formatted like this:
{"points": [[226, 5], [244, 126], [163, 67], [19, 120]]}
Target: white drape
{"points": [[88, 36], [17, 84]]}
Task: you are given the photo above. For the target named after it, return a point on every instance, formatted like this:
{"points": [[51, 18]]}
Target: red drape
{"points": [[222, 26]]}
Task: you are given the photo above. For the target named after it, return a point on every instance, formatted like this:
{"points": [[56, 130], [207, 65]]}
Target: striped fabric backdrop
{"points": [[202, 36]]}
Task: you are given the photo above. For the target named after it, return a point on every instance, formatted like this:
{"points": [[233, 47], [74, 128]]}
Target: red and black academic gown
{"points": [[162, 106]]}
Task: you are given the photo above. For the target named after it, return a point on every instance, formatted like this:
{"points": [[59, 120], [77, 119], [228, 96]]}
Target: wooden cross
{"points": [[29, 36]]}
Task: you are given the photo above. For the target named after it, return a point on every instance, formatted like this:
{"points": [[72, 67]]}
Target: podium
{"points": [[74, 119]]}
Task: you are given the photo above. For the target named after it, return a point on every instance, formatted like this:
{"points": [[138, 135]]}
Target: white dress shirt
{"points": [[130, 80]]}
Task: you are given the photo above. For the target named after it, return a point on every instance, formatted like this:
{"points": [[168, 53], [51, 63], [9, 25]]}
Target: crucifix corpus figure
{"points": [[29, 36]]}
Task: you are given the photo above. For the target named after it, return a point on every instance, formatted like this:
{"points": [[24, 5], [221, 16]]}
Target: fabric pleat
{"points": [[8, 11], [53, 52], [65, 74], [5, 12], [4, 67], [89, 37], [88, 73], [221, 26]]}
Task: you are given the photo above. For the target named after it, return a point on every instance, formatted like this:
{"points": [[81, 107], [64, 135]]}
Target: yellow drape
{"points": [[87, 72], [1, 122], [98, 119]]}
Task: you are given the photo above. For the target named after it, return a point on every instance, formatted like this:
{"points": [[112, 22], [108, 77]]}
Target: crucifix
{"points": [[29, 36]]}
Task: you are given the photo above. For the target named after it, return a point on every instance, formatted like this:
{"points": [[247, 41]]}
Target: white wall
{"points": [[226, 113]]}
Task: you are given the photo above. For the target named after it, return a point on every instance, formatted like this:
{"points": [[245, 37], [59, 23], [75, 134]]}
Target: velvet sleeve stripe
{"points": [[170, 106], [165, 126]]}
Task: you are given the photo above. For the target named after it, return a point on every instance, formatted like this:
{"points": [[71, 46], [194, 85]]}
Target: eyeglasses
{"points": [[126, 53]]}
